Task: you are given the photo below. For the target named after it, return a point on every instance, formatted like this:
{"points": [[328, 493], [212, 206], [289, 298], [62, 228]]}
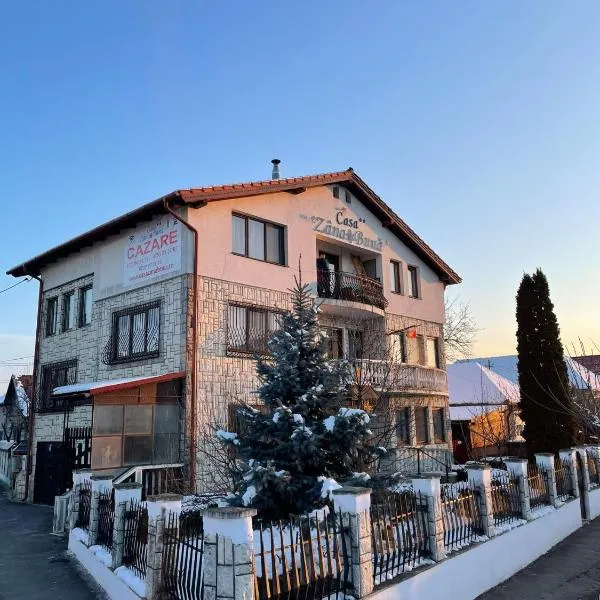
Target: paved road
{"points": [[570, 571], [34, 564]]}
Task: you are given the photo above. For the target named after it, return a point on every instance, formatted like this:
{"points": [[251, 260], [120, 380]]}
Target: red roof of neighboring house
{"points": [[590, 362], [199, 196]]}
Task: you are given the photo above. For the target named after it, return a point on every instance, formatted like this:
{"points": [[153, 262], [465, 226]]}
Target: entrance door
{"points": [[52, 471]]}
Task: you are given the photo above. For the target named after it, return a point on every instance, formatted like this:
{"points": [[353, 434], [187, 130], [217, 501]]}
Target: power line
{"points": [[10, 287]]}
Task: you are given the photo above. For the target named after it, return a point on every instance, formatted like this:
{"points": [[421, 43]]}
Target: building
{"points": [[14, 408], [591, 362], [148, 324], [484, 412]]}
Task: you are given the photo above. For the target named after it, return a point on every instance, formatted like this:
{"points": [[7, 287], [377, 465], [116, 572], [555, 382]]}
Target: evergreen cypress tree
{"points": [[292, 455], [543, 378]]}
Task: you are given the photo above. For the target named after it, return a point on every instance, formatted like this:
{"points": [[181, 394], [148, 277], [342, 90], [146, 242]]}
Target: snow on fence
{"points": [[399, 534], [305, 556], [135, 537], [461, 516]]}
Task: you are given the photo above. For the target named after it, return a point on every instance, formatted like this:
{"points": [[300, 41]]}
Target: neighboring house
{"points": [[150, 323], [14, 408], [484, 411], [591, 362]]}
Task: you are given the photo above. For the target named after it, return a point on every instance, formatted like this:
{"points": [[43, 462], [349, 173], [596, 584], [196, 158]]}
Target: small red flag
{"points": [[411, 333]]}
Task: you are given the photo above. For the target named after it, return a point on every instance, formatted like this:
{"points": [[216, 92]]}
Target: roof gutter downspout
{"points": [[194, 359], [36, 357]]}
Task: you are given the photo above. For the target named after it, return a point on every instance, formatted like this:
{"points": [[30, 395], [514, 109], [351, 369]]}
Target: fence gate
{"points": [[52, 472]]}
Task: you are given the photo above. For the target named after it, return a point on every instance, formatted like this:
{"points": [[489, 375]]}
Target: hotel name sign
{"points": [[345, 229]]}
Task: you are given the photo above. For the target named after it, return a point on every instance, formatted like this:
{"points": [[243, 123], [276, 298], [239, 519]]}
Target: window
{"points": [[395, 277], [55, 375], [398, 347], [51, 316], [413, 282], [432, 352], [136, 333], [258, 239], [85, 306], [355, 344], [415, 350], [249, 328], [439, 429], [334, 343], [421, 425], [336, 191], [68, 311], [403, 426], [347, 197]]}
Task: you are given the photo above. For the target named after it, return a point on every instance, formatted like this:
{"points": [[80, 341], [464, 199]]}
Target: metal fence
{"points": [[538, 486], [461, 516], [506, 502], [135, 546], [85, 502], [304, 557], [399, 534], [183, 552], [564, 479], [593, 470], [106, 518]]}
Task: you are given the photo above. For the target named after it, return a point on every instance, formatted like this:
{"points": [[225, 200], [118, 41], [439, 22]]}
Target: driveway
{"points": [[570, 571], [34, 565]]}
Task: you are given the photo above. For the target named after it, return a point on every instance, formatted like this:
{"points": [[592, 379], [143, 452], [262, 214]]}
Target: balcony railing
{"points": [[389, 375], [349, 286]]}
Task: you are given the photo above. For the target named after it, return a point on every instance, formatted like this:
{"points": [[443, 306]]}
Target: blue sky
{"points": [[478, 122]]}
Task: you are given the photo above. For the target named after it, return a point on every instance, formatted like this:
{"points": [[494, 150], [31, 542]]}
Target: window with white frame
{"points": [[395, 277], [136, 333], [432, 352], [68, 316], [258, 239], [51, 316], [85, 306]]}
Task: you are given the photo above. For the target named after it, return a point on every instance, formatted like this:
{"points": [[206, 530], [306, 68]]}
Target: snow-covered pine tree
{"points": [[293, 455]]}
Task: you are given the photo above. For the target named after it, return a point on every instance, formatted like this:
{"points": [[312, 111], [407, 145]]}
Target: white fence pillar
{"points": [[480, 477], [545, 462], [581, 452], [517, 467], [79, 477], [100, 483], [355, 506], [429, 488], [157, 509], [569, 457], [124, 494], [228, 554]]}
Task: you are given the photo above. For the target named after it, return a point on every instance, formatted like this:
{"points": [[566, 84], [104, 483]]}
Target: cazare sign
{"points": [[345, 229]]}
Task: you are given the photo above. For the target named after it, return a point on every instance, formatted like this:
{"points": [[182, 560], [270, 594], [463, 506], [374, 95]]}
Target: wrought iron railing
{"points": [[349, 286], [183, 551], [564, 480], [461, 516], [506, 503], [302, 557], [399, 534], [135, 543], [538, 486], [388, 375], [53, 376], [416, 459], [85, 503], [106, 518]]}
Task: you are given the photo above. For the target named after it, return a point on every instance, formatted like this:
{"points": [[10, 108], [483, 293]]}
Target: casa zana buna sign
{"points": [[344, 228], [153, 251]]}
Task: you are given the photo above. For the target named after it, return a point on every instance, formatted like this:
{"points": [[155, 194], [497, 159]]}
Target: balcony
{"points": [[391, 376], [349, 287]]}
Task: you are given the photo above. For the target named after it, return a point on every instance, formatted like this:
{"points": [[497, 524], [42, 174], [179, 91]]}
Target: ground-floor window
{"points": [[439, 425], [403, 426], [422, 425]]}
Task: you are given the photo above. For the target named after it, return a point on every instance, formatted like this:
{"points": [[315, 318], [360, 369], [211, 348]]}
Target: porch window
{"points": [[55, 375], [395, 277], [68, 322], [439, 429], [258, 239], [334, 343], [432, 352], [422, 425], [249, 328], [398, 347], [51, 316], [355, 344], [136, 333], [403, 426], [415, 350], [85, 306]]}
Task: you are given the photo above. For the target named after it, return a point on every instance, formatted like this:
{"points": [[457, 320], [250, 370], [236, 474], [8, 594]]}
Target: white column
{"points": [[100, 483], [517, 467], [545, 462], [124, 494], [568, 456], [480, 477], [429, 488]]}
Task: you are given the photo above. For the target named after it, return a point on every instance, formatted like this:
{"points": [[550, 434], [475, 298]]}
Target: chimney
{"points": [[275, 172]]}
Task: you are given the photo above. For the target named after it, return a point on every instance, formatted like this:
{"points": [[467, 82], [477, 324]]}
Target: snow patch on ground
{"points": [[81, 535], [132, 580], [463, 544], [102, 554]]}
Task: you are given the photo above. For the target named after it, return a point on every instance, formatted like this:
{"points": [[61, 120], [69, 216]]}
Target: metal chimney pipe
{"points": [[275, 172]]}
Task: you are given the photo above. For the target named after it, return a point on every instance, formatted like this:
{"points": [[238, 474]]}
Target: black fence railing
{"points": [[399, 534], [506, 502], [106, 518], [349, 286], [564, 480], [538, 486], [183, 551], [79, 444], [461, 517], [135, 543], [593, 469], [302, 558], [85, 503]]}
